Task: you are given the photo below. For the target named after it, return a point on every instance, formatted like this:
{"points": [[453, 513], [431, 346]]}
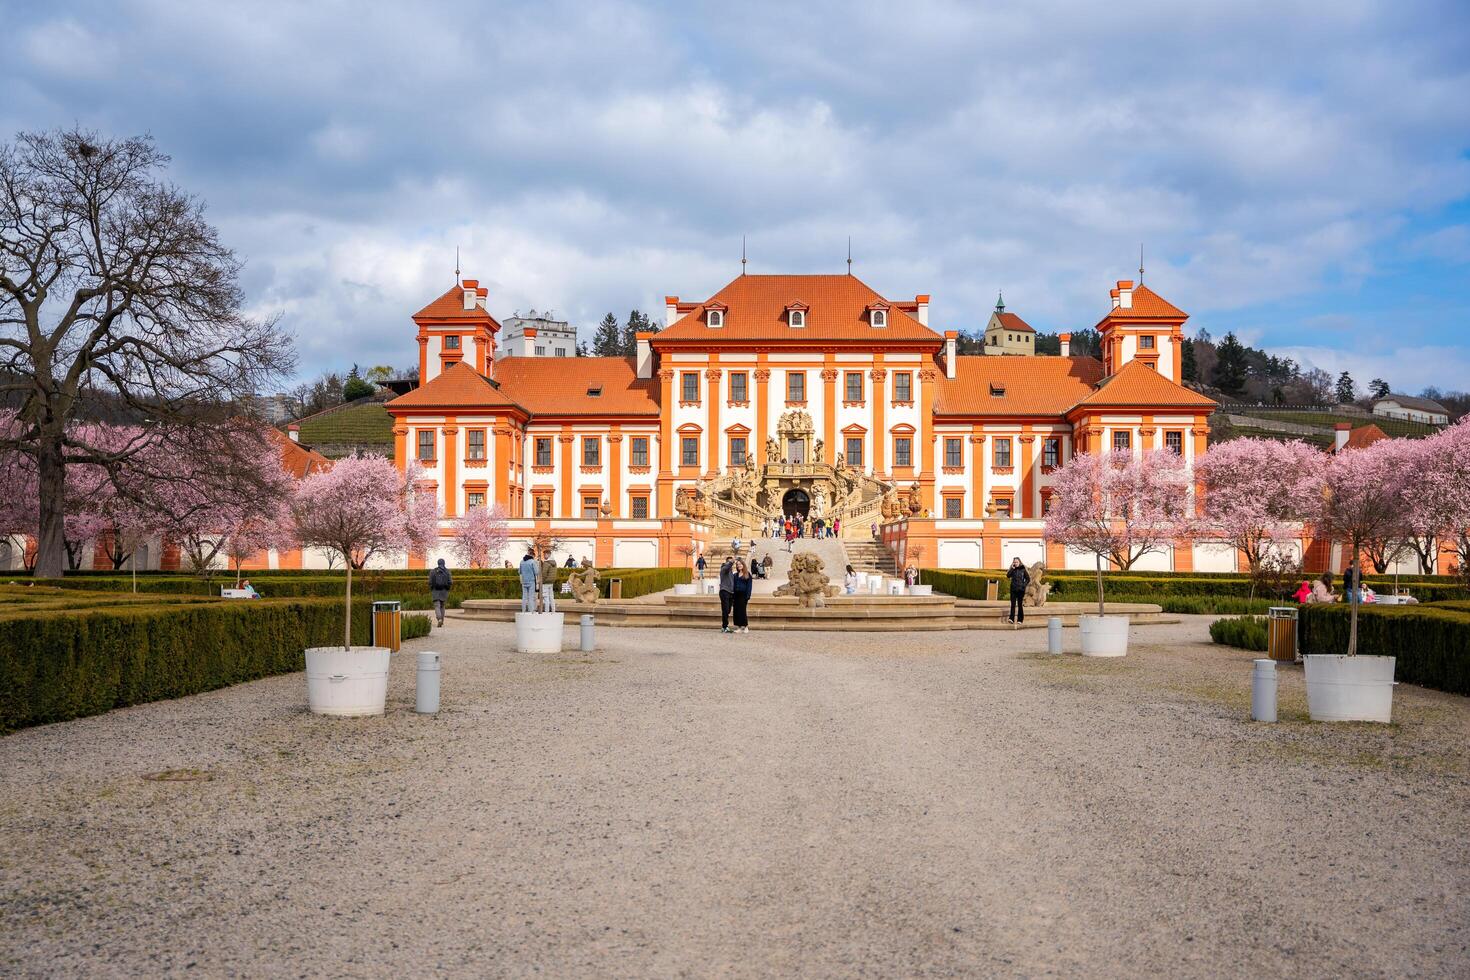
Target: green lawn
{"points": [[1393, 427], [368, 424]]}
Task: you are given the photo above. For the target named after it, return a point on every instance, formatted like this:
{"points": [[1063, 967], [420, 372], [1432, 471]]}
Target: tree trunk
{"points": [[1099, 585], [51, 534], [347, 629]]}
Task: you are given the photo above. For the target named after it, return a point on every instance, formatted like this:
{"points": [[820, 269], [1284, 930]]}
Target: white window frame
{"points": [[796, 318], [879, 318], [715, 318]]}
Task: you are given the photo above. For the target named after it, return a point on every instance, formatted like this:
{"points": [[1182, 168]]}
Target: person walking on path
{"points": [[727, 592], [742, 586], [735, 544], [530, 571], [1020, 578], [440, 582], [699, 566]]}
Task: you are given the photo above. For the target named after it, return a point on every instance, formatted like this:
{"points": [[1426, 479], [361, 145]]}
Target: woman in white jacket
{"points": [[850, 581]]}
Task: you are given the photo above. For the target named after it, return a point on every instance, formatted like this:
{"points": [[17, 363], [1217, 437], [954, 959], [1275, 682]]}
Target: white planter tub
{"points": [[347, 683], [1343, 688], [686, 588], [539, 632], [921, 590], [1104, 636]]}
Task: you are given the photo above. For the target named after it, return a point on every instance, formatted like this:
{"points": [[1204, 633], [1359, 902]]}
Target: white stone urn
{"points": [[539, 632], [1104, 636], [686, 588], [347, 683], [1343, 688]]}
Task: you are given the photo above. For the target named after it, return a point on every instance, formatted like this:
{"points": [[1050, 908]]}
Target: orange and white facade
{"points": [[775, 375]]}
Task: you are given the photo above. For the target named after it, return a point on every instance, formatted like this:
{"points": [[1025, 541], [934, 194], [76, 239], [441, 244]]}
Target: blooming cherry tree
{"points": [[360, 508], [480, 534], [1120, 507], [1257, 492], [1437, 495]]}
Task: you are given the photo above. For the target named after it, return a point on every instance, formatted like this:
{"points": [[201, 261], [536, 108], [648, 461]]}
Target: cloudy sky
{"points": [[1297, 172]]}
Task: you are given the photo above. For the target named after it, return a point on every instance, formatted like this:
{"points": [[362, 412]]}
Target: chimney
{"points": [[923, 312], [671, 310], [1125, 294], [293, 432], [951, 350], [480, 296], [644, 360], [1340, 435], [470, 288], [528, 342], [1066, 340]]}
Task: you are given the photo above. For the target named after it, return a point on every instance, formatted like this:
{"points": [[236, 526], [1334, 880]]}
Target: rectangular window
{"points": [[475, 444], [426, 444], [796, 386], [903, 386], [689, 451], [640, 508], [639, 451], [854, 450], [1174, 442], [689, 386], [952, 507], [543, 452], [589, 508], [540, 350], [1002, 453], [903, 451], [1002, 506], [954, 452], [561, 352], [451, 342], [1051, 452], [476, 499], [854, 381], [1146, 342], [1122, 439], [591, 451], [739, 386], [737, 450]]}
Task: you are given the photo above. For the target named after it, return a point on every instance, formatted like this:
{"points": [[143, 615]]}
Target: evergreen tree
{"points": [[637, 323], [1378, 388], [1230, 366], [607, 342], [1347, 391], [582, 348], [355, 387], [1187, 365]]}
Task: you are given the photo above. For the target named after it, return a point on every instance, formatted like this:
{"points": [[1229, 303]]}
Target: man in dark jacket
{"points": [[1020, 578], [440, 582], [727, 592]]}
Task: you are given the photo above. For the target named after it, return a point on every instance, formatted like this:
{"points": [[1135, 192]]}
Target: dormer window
{"points": [[997, 391], [797, 318], [595, 391], [715, 318], [879, 318]]}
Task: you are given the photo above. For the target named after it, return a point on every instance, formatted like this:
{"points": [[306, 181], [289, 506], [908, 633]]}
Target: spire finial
{"points": [[849, 255], [1140, 263], [1000, 302], [456, 265], [742, 255]]}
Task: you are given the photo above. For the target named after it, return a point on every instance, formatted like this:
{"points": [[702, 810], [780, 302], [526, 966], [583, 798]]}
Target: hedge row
{"points": [[58, 664], [1432, 643], [1152, 586], [1245, 632]]}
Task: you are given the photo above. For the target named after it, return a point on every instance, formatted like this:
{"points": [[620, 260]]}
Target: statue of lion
{"points": [[584, 583], [1038, 589], [806, 582]]}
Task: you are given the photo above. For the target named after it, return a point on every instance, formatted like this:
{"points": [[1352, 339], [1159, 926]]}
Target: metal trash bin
{"points": [[1281, 634], [614, 588], [388, 625]]}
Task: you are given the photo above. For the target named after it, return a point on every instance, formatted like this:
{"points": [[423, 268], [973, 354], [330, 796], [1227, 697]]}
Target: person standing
{"points": [[735, 544], [699, 565], [727, 592], [440, 582], [1020, 578], [529, 573], [1352, 582], [742, 586]]}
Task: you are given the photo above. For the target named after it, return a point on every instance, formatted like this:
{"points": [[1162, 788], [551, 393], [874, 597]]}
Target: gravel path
{"points": [[693, 804]]}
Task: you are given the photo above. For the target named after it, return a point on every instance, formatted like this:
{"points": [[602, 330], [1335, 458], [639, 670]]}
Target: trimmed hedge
{"points": [[1432, 643], [1245, 632], [57, 664], [1080, 586]]}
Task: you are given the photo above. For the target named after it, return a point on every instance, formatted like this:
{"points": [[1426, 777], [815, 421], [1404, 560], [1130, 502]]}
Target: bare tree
{"points": [[116, 296]]}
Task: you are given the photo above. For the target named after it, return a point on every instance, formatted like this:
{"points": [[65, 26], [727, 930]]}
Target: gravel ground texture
{"points": [[686, 803]]}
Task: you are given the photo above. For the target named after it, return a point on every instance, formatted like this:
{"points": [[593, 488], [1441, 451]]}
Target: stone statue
{"points": [[890, 507], [584, 583], [819, 501], [605, 509], [819, 452], [916, 503], [806, 582], [773, 450], [1038, 588]]}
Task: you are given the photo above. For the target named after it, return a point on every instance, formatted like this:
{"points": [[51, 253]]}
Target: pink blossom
{"points": [[480, 534], [1437, 494], [1257, 492]]}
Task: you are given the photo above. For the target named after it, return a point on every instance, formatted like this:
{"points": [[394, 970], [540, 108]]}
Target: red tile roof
{"points": [[1032, 385], [1138, 384], [1013, 322], [757, 305], [561, 385], [457, 386], [1147, 305], [450, 306], [299, 461], [1365, 435]]}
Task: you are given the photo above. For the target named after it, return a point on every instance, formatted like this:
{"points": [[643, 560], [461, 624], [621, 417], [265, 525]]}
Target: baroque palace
{"points": [[794, 394]]}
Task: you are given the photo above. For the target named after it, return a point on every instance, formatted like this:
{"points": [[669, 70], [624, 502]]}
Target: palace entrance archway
{"points": [[796, 503]]}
